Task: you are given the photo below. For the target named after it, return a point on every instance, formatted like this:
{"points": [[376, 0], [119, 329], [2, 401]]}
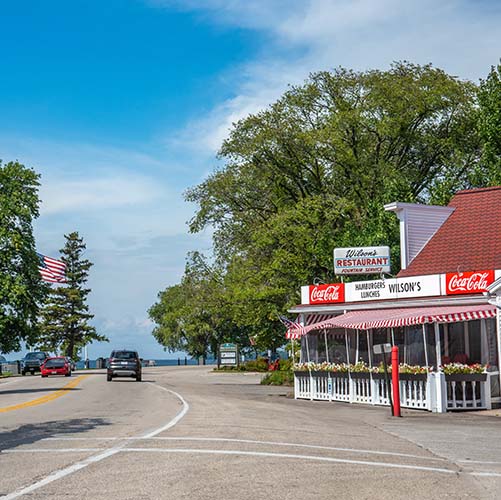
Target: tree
{"points": [[66, 314], [489, 98], [194, 315], [21, 288], [314, 170]]}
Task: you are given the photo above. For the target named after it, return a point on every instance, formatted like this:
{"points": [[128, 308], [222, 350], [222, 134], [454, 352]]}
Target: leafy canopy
{"points": [[21, 288]]}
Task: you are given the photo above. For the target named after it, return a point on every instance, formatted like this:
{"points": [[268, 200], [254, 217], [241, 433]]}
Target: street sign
{"points": [[228, 354], [382, 348]]}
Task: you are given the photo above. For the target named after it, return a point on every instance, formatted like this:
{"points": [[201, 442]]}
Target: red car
{"points": [[56, 366]]}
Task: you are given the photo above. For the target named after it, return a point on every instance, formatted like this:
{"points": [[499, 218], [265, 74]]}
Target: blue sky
{"points": [[121, 106]]}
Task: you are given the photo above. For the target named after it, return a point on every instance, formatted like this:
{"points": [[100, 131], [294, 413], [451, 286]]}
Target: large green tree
{"points": [[489, 97], [314, 170], [21, 288], [195, 315], [65, 316]]}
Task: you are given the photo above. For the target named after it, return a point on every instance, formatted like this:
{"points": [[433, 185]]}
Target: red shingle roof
{"points": [[469, 240]]}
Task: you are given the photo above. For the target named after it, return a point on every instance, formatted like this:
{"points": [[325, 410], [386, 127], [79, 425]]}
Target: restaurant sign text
{"points": [[362, 260]]}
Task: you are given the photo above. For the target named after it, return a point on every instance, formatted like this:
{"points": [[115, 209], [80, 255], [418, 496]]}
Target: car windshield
{"points": [[124, 355], [54, 363], [35, 355]]}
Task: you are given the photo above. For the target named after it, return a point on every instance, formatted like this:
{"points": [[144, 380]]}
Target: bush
{"points": [[281, 377]]}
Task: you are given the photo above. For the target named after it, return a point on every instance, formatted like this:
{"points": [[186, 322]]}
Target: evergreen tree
{"points": [[21, 288], [66, 314]]}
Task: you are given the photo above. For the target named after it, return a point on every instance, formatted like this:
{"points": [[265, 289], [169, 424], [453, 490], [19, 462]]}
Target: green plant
{"points": [[278, 378], [452, 368]]}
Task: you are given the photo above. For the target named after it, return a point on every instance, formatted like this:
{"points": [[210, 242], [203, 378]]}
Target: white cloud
{"points": [[460, 36], [63, 196]]}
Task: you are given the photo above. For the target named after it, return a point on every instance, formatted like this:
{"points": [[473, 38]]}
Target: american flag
{"points": [[295, 329], [52, 270]]}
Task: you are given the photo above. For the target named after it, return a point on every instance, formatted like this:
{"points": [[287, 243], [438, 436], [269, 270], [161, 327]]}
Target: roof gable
{"points": [[469, 240]]}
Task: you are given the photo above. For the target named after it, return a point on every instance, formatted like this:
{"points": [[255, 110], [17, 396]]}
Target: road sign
{"points": [[228, 354], [382, 348]]}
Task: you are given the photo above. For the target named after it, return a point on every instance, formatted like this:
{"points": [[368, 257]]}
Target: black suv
{"points": [[32, 361], [124, 364]]}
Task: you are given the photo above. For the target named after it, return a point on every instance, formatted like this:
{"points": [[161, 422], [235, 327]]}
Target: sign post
{"points": [[396, 381]]}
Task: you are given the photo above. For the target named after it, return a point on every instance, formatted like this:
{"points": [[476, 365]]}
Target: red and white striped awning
{"points": [[389, 318], [298, 332]]}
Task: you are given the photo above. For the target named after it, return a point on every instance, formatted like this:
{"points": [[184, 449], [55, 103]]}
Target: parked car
{"points": [[32, 361], [73, 365], [58, 365], [124, 364]]}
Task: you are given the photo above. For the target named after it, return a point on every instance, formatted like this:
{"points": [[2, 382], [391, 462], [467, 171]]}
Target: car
{"points": [[73, 365], [124, 363], [32, 361], [58, 365]]}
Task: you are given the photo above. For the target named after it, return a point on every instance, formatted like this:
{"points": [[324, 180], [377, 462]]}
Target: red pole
{"points": [[395, 381]]}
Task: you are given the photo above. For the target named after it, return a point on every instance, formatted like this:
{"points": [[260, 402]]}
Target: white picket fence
{"points": [[415, 392], [468, 394]]}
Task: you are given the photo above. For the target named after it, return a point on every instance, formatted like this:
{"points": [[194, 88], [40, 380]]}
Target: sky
{"points": [[122, 105]]}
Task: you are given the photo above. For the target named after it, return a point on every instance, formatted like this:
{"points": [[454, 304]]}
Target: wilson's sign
{"points": [[362, 260]]}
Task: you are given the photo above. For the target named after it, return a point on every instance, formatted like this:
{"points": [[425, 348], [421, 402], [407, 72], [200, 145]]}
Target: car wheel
{"points": [[44, 376], [109, 378]]}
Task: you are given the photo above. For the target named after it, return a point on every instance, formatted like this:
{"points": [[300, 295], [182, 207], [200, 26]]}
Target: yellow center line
{"points": [[45, 399]]}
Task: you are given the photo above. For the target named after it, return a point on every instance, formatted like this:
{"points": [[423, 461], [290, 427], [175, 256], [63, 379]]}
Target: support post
{"points": [[396, 381], [326, 346], [425, 346]]}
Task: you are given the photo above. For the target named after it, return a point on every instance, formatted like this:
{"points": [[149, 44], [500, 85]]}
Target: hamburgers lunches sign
{"points": [[362, 260]]}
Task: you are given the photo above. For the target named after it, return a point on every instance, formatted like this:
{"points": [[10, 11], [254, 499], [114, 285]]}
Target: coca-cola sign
{"points": [[471, 282], [326, 294]]}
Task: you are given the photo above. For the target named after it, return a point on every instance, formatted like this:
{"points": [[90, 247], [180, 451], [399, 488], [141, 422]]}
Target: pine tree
{"points": [[66, 314]]}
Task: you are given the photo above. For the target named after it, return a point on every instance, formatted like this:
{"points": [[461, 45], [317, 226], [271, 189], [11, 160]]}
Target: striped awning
{"points": [[297, 332], [389, 318]]}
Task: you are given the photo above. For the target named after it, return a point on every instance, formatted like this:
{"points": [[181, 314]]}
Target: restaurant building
{"points": [[442, 310]]}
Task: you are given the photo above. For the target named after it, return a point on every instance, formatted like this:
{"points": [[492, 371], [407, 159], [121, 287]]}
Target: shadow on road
{"points": [[45, 389], [31, 433]]}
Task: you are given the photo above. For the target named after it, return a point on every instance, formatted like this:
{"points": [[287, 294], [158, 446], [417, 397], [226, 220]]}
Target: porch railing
{"points": [[416, 391]]}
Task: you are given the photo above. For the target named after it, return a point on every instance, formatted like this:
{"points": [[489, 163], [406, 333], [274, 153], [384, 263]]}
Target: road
{"points": [[187, 432]]}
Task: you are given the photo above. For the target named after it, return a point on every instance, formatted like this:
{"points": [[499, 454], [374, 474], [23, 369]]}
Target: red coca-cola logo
{"points": [[327, 294], [472, 282]]}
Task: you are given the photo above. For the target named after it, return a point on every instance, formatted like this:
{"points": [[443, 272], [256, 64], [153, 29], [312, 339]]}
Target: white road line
{"points": [[123, 449], [478, 462], [289, 455], [96, 458], [252, 441], [51, 450], [175, 420]]}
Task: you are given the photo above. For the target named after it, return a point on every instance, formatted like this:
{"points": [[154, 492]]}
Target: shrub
{"points": [[281, 377]]}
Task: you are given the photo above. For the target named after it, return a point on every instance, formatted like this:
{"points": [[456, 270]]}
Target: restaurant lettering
{"points": [[471, 282], [362, 260], [393, 288]]}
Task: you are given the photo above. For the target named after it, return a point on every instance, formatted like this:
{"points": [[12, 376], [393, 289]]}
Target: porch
{"points": [[434, 357]]}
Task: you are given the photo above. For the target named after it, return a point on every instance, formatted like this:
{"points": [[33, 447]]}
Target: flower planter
{"points": [[360, 374], [301, 373], [413, 376], [466, 377], [317, 373], [339, 374]]}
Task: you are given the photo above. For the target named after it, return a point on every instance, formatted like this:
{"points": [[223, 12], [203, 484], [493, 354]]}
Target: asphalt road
{"points": [[186, 432]]}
